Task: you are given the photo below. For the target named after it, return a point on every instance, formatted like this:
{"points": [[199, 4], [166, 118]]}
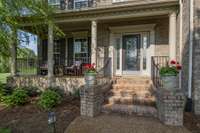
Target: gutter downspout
{"points": [[191, 48]]}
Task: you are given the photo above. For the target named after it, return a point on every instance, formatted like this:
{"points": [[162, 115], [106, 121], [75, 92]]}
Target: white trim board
{"points": [[132, 28]]}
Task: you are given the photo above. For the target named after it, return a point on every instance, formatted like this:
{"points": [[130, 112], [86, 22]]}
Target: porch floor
{"points": [[121, 124]]}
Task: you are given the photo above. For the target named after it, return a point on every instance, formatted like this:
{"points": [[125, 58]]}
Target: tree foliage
{"points": [[15, 13]]}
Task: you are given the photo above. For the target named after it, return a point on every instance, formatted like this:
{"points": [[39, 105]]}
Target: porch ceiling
{"points": [[85, 25]]}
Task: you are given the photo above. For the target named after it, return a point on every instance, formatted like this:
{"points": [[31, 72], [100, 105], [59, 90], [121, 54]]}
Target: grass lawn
{"points": [[3, 77], [5, 130]]}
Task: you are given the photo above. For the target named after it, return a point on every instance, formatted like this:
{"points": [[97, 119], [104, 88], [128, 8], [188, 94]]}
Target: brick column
{"points": [[172, 35], [94, 41], [170, 106], [50, 55], [91, 100]]}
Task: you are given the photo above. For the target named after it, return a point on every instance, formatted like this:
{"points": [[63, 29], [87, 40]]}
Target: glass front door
{"points": [[130, 53]]}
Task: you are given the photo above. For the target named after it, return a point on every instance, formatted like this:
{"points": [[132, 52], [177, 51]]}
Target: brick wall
{"points": [[196, 52], [196, 58], [170, 106], [185, 43]]}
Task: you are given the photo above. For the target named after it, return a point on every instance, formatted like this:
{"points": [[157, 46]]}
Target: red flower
{"points": [[87, 66], [172, 62], [178, 67]]}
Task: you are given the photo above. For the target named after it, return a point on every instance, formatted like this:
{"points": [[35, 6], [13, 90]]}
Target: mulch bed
{"points": [[31, 119], [192, 122]]}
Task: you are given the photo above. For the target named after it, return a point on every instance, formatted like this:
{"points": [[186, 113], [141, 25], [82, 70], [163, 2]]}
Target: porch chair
{"points": [[73, 70]]}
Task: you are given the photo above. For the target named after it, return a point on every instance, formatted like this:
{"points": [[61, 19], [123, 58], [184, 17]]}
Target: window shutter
{"points": [[70, 51]]}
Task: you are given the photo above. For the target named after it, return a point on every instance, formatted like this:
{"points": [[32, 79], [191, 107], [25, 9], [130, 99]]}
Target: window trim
{"points": [[118, 1], [79, 1], [54, 3]]}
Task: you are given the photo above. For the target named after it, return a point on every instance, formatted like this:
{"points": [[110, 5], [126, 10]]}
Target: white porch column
{"points": [[172, 35], [13, 60], [50, 55], [94, 42]]}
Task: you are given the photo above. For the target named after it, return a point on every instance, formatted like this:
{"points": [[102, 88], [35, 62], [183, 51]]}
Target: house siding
{"points": [[161, 37]]}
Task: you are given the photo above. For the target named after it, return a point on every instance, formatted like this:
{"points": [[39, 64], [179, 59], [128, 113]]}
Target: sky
{"points": [[29, 40]]}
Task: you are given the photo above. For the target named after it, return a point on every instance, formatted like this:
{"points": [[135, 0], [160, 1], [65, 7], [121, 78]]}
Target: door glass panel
{"points": [[131, 52], [145, 43], [118, 52]]}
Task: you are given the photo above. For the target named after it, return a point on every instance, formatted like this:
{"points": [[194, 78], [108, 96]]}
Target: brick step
{"points": [[132, 93], [136, 80], [137, 100], [131, 87], [132, 81], [130, 109]]}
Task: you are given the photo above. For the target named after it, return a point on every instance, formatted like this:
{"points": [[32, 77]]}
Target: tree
{"points": [[15, 13]]}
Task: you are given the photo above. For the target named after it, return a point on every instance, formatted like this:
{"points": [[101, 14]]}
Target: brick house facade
{"points": [[101, 31]]}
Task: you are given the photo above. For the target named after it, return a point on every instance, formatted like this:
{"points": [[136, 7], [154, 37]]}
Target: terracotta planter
{"points": [[170, 82], [90, 79]]}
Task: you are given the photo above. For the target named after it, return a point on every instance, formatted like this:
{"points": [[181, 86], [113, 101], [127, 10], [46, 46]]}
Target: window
{"points": [[80, 48], [116, 1], [54, 2], [78, 4]]}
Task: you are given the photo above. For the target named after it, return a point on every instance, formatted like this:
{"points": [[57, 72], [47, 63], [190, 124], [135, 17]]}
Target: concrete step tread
{"points": [[130, 94], [141, 81], [151, 98], [132, 91], [115, 87], [132, 85]]}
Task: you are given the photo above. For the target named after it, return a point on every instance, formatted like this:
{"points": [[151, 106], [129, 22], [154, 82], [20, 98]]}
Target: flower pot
{"points": [[170, 82], [90, 79]]}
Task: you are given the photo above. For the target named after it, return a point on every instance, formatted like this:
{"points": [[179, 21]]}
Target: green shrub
{"points": [[57, 90], [168, 71], [18, 97], [32, 91], [4, 91], [49, 99]]}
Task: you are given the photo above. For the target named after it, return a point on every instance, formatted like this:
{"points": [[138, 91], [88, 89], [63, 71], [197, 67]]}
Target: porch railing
{"points": [[27, 66], [157, 63], [71, 67], [73, 4]]}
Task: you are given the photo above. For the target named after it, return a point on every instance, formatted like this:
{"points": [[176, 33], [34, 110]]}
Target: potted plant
{"points": [[90, 74], [169, 75]]}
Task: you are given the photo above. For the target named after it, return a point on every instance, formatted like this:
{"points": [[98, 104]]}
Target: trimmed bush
{"points": [[49, 99], [18, 97], [4, 91], [57, 90], [32, 91]]}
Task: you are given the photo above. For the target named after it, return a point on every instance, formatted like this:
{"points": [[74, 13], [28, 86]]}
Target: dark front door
{"points": [[131, 53]]}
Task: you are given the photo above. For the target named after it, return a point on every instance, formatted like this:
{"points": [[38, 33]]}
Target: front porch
{"points": [[120, 45]]}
